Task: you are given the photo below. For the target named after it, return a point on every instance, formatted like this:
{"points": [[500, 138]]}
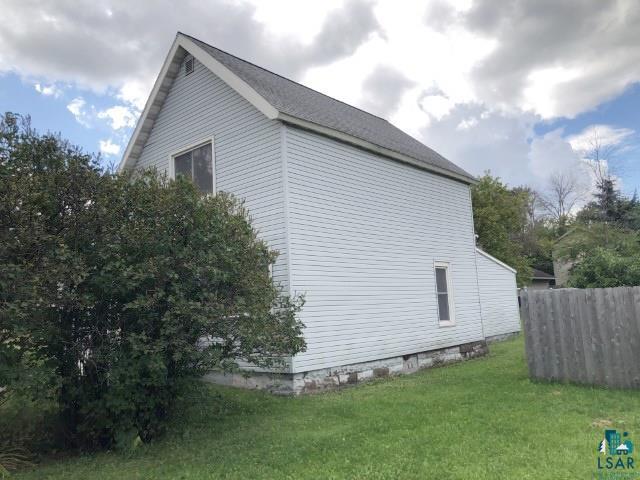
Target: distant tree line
{"points": [[521, 226]]}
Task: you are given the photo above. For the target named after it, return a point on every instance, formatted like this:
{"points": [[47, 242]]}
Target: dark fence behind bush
{"points": [[589, 336]]}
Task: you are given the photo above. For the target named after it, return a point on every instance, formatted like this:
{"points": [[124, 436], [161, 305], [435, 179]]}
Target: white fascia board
{"points": [[226, 75], [495, 260], [147, 107], [230, 78]]}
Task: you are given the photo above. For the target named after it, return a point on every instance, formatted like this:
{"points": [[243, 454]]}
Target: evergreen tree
{"points": [[608, 198], [603, 446]]}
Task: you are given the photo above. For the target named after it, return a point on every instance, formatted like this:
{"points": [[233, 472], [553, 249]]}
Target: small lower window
{"points": [[197, 165], [443, 294]]}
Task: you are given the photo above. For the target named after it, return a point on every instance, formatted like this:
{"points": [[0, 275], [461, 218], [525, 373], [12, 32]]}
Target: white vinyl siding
{"points": [[247, 149], [364, 234], [499, 297], [359, 234]]}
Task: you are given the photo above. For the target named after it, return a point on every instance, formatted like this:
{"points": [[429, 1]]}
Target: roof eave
{"points": [[495, 260], [153, 97], [372, 147]]}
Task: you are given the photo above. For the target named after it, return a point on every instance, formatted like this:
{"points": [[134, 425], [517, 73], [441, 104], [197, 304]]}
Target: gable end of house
{"points": [[184, 44]]}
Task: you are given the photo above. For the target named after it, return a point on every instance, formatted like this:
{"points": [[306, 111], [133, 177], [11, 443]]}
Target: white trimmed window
{"points": [[197, 165], [444, 294]]}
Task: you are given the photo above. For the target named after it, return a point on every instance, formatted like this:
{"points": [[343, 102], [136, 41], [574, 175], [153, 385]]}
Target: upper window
{"points": [[197, 165], [446, 313]]}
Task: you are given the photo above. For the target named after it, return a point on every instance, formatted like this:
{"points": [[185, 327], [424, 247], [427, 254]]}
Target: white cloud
{"points": [[78, 110], [605, 142], [135, 93], [605, 135], [108, 148], [480, 139], [552, 58], [497, 141], [106, 49], [470, 79], [309, 16], [383, 90], [76, 106], [119, 116], [551, 153], [48, 90], [467, 123], [540, 91], [555, 58], [437, 106]]}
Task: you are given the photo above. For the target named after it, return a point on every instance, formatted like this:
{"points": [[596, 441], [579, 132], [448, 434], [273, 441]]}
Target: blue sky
{"points": [[621, 112], [49, 113], [517, 89]]}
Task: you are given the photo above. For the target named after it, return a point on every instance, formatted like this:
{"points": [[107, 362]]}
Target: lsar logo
{"points": [[616, 452]]}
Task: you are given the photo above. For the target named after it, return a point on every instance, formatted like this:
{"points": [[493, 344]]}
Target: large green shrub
{"points": [[605, 268], [122, 288]]}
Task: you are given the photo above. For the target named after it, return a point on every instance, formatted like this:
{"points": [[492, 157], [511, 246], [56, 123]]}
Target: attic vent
{"points": [[188, 66]]}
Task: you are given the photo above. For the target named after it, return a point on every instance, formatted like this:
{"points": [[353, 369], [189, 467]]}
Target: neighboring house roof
{"points": [[283, 99], [540, 275], [494, 259], [566, 234]]}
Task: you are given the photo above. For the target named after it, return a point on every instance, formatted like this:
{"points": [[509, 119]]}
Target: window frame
{"points": [[450, 296], [190, 147]]}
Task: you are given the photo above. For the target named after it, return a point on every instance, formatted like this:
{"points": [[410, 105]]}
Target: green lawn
{"points": [[481, 419]]}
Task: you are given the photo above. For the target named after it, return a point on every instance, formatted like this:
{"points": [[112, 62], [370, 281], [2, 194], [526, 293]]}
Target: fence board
{"points": [[587, 336], [635, 337]]}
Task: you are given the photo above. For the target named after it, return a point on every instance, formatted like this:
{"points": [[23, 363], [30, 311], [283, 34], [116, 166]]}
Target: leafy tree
{"points": [[539, 231], [125, 288], [605, 268], [500, 217], [597, 252], [584, 239], [539, 249]]}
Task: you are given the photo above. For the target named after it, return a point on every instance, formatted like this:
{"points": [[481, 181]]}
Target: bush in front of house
{"points": [[118, 290]]}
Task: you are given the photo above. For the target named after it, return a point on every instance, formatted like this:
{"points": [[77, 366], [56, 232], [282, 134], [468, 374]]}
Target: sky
{"points": [[518, 88]]}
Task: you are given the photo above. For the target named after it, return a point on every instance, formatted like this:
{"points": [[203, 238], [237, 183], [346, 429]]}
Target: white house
{"points": [[373, 226], [498, 297]]}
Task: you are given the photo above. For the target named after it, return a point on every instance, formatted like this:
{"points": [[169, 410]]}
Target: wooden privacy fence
{"points": [[589, 336]]}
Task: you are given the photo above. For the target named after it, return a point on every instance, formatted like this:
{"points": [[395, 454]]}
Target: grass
{"points": [[481, 419]]}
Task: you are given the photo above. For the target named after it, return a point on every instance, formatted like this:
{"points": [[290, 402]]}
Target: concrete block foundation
{"points": [[332, 378]]}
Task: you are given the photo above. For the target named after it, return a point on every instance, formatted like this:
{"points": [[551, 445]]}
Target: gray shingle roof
{"points": [[304, 103], [539, 274]]}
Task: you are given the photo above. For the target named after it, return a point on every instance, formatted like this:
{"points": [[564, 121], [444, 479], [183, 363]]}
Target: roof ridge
{"points": [[285, 78]]}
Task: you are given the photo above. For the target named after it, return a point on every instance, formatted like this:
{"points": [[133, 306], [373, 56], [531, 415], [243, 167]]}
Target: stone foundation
{"points": [[502, 337], [334, 377]]}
